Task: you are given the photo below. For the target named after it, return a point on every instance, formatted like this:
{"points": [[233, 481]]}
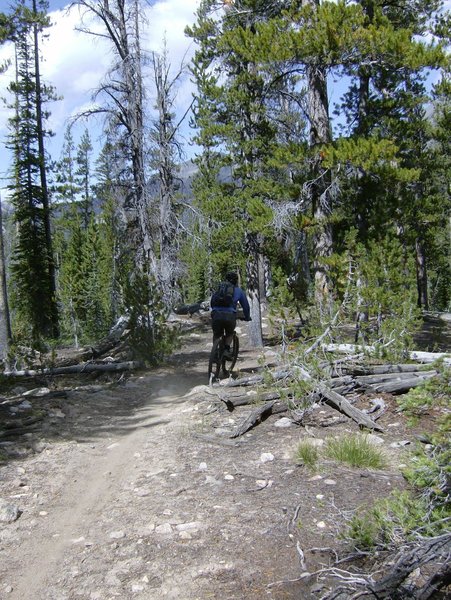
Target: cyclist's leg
{"points": [[229, 327]]}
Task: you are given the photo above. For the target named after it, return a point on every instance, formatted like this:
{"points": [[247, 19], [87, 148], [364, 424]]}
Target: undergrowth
{"points": [[425, 509]]}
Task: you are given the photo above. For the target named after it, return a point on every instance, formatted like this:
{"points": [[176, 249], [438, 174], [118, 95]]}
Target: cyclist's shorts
{"points": [[223, 323]]}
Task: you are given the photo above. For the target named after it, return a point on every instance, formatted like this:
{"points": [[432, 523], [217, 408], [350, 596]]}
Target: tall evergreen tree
{"points": [[376, 179], [5, 322], [238, 134], [83, 176], [65, 188], [33, 263]]}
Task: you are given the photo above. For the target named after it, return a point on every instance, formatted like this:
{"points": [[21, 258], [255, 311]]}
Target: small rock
{"points": [[316, 478], [202, 466], [283, 422], [321, 524], [25, 405], [229, 477], [164, 528], [185, 535], [57, 413], [212, 480], [319, 496], [399, 444], [78, 540], [374, 439], [137, 587], [266, 457], [193, 526], [330, 482], [8, 512], [117, 535]]}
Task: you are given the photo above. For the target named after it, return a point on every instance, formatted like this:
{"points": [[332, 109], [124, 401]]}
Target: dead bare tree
{"points": [[123, 90], [165, 151]]}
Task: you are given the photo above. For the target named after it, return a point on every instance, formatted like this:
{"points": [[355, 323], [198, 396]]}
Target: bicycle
{"points": [[218, 361]]}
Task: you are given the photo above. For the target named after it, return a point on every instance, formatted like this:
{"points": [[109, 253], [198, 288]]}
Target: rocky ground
{"points": [[132, 488]]}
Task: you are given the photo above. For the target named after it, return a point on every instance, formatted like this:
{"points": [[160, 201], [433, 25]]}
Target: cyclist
{"points": [[223, 318]]}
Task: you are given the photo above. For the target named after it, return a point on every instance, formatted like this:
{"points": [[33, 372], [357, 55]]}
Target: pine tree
{"points": [[234, 115], [370, 173], [83, 176], [33, 263], [65, 188]]}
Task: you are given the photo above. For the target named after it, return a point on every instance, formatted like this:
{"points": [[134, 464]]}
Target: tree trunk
{"points": [[422, 280], [320, 189], [5, 323], [253, 291], [54, 325], [164, 151]]}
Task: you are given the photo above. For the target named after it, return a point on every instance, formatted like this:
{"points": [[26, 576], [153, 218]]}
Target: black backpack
{"points": [[223, 296]]}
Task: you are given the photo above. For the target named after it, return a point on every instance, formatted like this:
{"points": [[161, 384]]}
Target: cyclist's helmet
{"points": [[232, 277]]}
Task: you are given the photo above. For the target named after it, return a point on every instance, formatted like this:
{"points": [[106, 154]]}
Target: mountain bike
{"points": [[218, 359]]}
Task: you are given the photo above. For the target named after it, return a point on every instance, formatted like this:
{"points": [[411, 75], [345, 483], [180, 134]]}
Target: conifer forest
{"points": [[316, 203]]}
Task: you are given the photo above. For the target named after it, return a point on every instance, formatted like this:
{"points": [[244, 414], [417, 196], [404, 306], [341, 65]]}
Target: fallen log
{"points": [[344, 406], [245, 399], [387, 377], [400, 386], [80, 368], [28, 395], [254, 418], [423, 357], [256, 379], [362, 370], [433, 551]]}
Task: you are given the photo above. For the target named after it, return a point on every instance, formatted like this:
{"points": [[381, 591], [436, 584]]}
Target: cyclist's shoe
{"points": [[228, 354]]}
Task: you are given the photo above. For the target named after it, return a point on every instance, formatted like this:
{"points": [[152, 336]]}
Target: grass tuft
{"points": [[356, 451], [307, 454]]}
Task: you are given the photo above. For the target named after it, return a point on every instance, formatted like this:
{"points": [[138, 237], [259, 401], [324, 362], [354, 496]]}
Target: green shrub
{"points": [[432, 393], [356, 451]]}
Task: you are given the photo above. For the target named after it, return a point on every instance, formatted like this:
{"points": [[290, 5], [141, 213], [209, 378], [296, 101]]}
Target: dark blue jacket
{"points": [[238, 296]]}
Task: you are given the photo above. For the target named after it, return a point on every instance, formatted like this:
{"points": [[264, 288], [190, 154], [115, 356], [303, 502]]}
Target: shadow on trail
{"points": [[99, 412]]}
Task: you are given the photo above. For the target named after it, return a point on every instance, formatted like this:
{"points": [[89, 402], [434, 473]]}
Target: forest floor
{"points": [[132, 488]]}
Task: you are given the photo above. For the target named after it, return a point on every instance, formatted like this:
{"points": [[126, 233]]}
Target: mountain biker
{"points": [[223, 318]]}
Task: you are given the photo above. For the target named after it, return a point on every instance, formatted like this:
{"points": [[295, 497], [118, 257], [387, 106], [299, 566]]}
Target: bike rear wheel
{"points": [[216, 359], [228, 364]]}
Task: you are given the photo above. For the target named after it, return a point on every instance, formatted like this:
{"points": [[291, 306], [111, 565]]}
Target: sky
{"points": [[74, 64]]}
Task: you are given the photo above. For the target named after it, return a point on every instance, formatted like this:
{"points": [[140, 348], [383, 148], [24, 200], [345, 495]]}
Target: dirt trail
{"points": [[136, 491]]}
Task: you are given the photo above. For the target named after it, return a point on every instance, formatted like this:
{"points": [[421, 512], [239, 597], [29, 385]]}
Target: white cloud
{"points": [[75, 62]]}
